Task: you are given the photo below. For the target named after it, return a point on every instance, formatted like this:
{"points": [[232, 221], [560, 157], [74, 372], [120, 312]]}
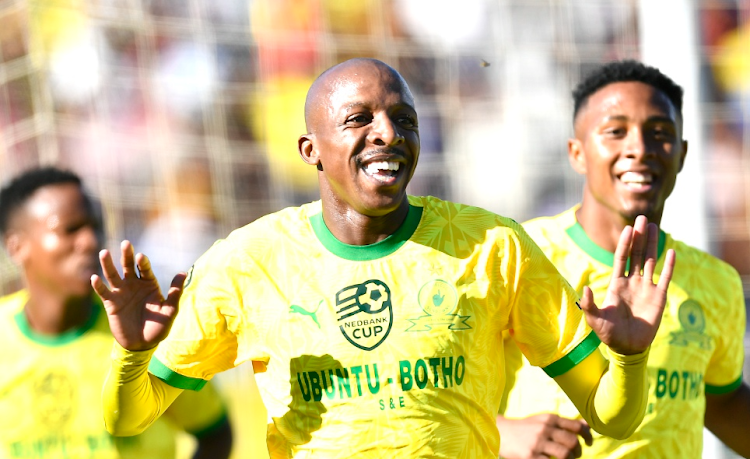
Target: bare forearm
{"points": [[132, 398], [728, 416], [610, 396]]}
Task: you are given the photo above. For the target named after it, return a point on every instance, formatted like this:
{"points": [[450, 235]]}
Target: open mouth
{"points": [[637, 181], [385, 172]]}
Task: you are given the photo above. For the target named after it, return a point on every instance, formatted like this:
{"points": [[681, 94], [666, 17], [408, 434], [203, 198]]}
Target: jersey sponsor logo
{"points": [[438, 299], [676, 384], [365, 313], [295, 309], [378, 379], [693, 322]]}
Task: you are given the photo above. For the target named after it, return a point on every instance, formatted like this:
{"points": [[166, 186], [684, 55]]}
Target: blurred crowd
{"points": [[183, 116]]}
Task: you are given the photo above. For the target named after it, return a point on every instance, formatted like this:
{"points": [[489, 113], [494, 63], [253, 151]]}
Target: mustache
{"points": [[367, 155]]}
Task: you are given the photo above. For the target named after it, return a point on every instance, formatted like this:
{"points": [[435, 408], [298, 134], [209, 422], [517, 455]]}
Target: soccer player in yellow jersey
{"points": [[628, 144], [56, 341], [374, 319]]}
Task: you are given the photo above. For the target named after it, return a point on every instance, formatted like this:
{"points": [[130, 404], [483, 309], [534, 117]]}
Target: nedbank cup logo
{"points": [[365, 313]]}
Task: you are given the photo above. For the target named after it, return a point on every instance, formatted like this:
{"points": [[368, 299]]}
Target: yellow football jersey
{"points": [[50, 394], [389, 350], [698, 348]]}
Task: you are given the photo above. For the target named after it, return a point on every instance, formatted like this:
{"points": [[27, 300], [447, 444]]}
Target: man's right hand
{"points": [[542, 436], [139, 316]]}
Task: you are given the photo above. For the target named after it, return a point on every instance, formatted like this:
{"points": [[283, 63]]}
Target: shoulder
{"points": [[696, 260], [263, 235], [550, 230], [463, 216]]}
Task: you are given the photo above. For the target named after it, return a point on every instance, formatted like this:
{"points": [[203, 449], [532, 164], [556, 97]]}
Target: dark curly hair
{"points": [[626, 70], [15, 193]]}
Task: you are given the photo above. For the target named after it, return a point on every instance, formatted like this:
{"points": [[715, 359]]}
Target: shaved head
{"points": [[323, 89]]}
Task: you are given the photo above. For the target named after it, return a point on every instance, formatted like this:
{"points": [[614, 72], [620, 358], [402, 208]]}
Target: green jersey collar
{"points": [[372, 251], [582, 240], [61, 339]]}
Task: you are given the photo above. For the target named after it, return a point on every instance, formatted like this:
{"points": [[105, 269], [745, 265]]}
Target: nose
{"points": [[636, 145], [385, 132]]}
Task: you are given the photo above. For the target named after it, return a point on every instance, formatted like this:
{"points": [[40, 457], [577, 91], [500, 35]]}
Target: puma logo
{"points": [[300, 310]]}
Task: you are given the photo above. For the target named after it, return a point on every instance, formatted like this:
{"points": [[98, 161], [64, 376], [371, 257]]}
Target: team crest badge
{"points": [[693, 323], [439, 301], [365, 313]]}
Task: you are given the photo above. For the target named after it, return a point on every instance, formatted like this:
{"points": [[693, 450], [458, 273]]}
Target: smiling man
{"points": [[628, 144], [374, 319]]}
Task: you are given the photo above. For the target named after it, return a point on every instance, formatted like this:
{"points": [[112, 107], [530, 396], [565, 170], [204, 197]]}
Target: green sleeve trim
{"points": [[213, 427], [574, 357], [718, 390], [177, 380]]}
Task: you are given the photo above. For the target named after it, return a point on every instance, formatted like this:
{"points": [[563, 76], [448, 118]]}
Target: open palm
{"points": [[630, 314], [139, 316]]}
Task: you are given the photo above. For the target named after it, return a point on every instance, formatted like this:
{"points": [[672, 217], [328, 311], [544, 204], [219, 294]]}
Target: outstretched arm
{"points": [[614, 401], [139, 318], [728, 415]]}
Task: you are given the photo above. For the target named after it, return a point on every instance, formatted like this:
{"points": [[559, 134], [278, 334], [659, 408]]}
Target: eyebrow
{"points": [[665, 119]]}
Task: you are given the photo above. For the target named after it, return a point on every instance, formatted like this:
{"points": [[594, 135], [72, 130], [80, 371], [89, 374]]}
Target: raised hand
{"points": [[139, 316], [630, 314], [542, 436]]}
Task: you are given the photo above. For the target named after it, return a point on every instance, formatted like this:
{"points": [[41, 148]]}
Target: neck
{"points": [[50, 315], [604, 226], [354, 228]]}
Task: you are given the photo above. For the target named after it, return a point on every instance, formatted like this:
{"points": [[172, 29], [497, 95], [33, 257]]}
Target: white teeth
{"points": [[377, 166], [636, 177]]}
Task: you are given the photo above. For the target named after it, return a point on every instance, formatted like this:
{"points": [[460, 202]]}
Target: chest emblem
{"points": [[438, 299], [693, 322], [365, 313]]}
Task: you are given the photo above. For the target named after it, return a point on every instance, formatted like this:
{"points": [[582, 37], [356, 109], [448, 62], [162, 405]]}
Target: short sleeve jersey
{"points": [[389, 350], [50, 394], [697, 350]]}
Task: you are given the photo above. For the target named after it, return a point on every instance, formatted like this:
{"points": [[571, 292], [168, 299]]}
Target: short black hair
{"points": [[621, 71], [15, 194]]}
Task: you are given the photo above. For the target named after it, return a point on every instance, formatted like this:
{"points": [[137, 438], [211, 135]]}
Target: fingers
{"points": [[98, 285], [666, 271], [175, 290], [652, 249], [621, 252], [144, 266], [577, 427], [127, 260], [108, 269], [587, 305], [638, 245]]}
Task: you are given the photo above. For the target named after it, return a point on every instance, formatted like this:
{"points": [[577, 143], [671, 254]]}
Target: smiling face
{"points": [[629, 146], [56, 239], [363, 137]]}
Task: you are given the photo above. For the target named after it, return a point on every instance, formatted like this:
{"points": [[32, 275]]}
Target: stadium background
{"points": [[183, 115]]}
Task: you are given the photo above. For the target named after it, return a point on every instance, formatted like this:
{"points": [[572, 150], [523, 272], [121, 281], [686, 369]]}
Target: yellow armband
{"points": [[611, 396], [133, 398]]}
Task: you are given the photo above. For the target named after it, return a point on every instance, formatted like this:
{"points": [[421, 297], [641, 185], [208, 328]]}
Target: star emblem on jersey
{"points": [[438, 299], [693, 323], [365, 313]]}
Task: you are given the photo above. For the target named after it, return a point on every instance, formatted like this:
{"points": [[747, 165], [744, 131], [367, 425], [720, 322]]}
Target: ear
{"points": [[307, 150], [684, 153], [17, 247], [576, 156]]}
